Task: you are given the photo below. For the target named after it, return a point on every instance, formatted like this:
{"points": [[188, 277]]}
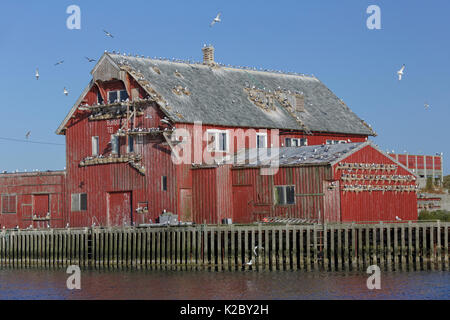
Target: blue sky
{"points": [[326, 38]]}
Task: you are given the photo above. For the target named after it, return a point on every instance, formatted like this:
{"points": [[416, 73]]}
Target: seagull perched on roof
{"points": [[400, 72], [397, 218], [216, 19], [59, 62], [108, 34], [89, 59]]}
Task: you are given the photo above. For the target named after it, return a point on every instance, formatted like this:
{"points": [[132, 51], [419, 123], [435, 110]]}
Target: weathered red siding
{"points": [[35, 194], [376, 205]]}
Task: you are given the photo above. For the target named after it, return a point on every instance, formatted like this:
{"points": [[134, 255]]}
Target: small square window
{"points": [[284, 195], [9, 204], [79, 202], [112, 96]]}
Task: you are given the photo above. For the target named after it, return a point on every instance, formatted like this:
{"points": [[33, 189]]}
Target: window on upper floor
{"points": [[296, 142], [164, 183], [115, 144], [95, 146], [9, 203], [331, 142], [130, 147], [99, 98], [217, 141], [117, 96], [261, 140]]}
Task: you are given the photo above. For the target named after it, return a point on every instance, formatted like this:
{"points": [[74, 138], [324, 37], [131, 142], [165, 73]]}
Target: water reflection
{"points": [[196, 285]]}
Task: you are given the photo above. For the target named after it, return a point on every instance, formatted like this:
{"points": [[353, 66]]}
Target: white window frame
{"points": [[95, 146], [75, 205], [216, 133], [113, 150], [118, 95], [261, 134], [298, 140]]}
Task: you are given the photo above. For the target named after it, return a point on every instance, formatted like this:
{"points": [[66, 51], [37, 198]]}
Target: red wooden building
{"points": [[150, 135], [34, 199], [330, 183]]}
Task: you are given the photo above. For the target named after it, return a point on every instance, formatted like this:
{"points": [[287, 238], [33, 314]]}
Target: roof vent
{"points": [[208, 55]]}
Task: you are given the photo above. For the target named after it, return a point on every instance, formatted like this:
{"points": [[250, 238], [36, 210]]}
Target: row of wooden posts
{"points": [[340, 247]]}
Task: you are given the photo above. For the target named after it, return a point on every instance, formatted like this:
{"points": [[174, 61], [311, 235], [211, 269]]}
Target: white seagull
{"points": [[427, 106], [37, 73], [66, 92], [400, 72], [397, 218], [108, 34], [216, 19]]}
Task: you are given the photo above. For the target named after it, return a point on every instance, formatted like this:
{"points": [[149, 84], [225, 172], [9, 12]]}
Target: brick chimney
{"points": [[208, 55]]}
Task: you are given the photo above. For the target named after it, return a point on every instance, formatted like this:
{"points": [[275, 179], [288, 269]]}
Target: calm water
{"points": [[192, 285]]}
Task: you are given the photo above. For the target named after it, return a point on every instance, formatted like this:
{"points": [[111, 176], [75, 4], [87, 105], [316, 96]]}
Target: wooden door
{"points": [[119, 209], [41, 205], [242, 204], [186, 205]]}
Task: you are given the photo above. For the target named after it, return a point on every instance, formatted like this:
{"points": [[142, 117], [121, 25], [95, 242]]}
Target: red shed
{"points": [[353, 182], [32, 199]]}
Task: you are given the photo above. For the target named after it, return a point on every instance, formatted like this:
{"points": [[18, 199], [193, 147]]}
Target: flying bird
{"points": [[37, 73], [89, 59], [28, 134], [59, 62], [108, 34], [427, 106], [66, 92], [400, 73], [216, 19]]}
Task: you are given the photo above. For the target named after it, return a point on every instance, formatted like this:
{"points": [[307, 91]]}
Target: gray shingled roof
{"points": [[217, 97], [293, 156]]}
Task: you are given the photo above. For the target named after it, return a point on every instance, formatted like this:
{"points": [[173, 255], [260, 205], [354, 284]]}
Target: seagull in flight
{"points": [[108, 34], [216, 19], [28, 134], [59, 62], [66, 92], [89, 59], [400, 73], [37, 73], [427, 106]]}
